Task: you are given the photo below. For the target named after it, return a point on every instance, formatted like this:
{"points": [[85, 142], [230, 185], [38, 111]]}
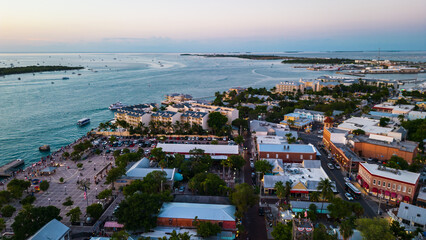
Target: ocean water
{"points": [[43, 108]]}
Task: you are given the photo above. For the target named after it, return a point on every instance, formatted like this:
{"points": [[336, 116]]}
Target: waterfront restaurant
{"points": [[390, 184]]}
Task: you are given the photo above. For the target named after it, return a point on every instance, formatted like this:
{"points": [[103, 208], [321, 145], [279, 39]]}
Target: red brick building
{"points": [[289, 153], [393, 185], [177, 214]]}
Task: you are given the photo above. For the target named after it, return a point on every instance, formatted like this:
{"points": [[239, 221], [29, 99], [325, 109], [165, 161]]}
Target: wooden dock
{"points": [[5, 170]]}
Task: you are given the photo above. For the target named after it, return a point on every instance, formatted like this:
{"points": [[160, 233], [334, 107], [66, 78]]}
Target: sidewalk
{"points": [[373, 202]]}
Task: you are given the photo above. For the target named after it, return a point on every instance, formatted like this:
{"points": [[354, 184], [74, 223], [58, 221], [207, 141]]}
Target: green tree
{"points": [[28, 200], [114, 174], [358, 132], [104, 194], [207, 229], [158, 154], [120, 235], [282, 231], [44, 185], [280, 190], [320, 233], [66, 155], [339, 208], [263, 166], [347, 228], [239, 139], [326, 188], [7, 211], [384, 121], [2, 224], [397, 163], [30, 219], [74, 214], [17, 186], [208, 184], [312, 212], [95, 210], [216, 121], [112, 139], [177, 236], [314, 196], [399, 231], [243, 197], [374, 229], [5, 197], [68, 202], [139, 211]]}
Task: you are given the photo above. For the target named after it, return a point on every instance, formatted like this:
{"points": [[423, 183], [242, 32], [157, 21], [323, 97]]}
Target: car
{"points": [[329, 165], [349, 196], [182, 189], [320, 136], [346, 179], [337, 166], [261, 212]]}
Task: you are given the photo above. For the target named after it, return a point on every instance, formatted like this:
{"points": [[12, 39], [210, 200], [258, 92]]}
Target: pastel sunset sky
{"points": [[211, 26]]}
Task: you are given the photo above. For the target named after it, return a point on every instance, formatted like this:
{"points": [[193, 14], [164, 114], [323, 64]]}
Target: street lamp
{"points": [[96, 189], [65, 190], [48, 200]]}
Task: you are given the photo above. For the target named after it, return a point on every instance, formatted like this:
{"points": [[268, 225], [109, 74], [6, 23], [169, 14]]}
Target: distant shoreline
{"points": [[35, 69]]}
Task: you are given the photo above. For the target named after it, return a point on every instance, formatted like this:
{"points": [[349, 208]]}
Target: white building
{"points": [[289, 86], [217, 152], [309, 114]]}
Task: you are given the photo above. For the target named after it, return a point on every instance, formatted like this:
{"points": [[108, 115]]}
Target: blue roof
{"points": [[296, 148], [202, 211], [293, 115], [53, 230], [382, 114]]}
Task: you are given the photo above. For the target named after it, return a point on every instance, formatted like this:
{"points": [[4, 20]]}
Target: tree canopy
{"points": [[207, 229], [282, 231], [95, 210], [243, 197], [217, 121], [208, 184], [263, 166], [374, 229]]}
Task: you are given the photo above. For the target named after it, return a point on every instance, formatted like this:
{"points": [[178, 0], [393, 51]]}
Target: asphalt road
{"points": [[335, 174]]}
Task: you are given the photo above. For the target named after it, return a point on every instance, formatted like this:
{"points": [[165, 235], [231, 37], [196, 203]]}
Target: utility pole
{"points": [[380, 201]]}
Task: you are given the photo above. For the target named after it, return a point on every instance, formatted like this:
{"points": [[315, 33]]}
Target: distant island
{"points": [[34, 69], [286, 59]]}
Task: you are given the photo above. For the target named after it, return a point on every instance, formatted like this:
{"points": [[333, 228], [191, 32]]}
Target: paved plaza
{"points": [[94, 170]]}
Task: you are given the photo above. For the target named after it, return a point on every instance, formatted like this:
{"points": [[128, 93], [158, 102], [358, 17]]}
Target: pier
{"points": [[7, 168]]}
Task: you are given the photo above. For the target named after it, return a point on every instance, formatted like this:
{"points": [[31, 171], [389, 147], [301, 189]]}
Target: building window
{"points": [[399, 188], [394, 186], [374, 182], [288, 156], [404, 189], [409, 190], [301, 156], [267, 155], [384, 184], [378, 183], [276, 155]]}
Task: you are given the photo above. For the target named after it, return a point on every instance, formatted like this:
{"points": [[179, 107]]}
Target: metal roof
{"points": [[412, 213], [201, 211], [295, 148], [208, 148], [53, 230]]}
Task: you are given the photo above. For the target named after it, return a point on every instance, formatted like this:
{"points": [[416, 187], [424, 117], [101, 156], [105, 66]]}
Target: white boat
{"points": [[116, 106], [83, 121]]}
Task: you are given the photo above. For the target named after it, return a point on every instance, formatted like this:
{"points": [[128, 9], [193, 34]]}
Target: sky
{"points": [[211, 26]]}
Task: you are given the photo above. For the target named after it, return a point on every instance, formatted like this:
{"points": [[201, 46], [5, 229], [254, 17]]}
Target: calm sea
{"points": [[43, 108]]}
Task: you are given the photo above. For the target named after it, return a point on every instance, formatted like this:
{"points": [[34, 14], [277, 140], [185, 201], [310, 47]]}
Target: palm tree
{"points": [[287, 190], [314, 196], [326, 188], [346, 229], [280, 190]]}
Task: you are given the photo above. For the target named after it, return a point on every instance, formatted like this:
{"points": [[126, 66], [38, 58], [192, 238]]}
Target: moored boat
{"points": [[83, 121], [44, 148], [116, 106]]}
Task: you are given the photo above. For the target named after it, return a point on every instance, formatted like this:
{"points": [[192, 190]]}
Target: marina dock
{"points": [[5, 170]]}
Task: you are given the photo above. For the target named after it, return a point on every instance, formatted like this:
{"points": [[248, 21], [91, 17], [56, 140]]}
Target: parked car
{"points": [[337, 166], [182, 189], [346, 179], [349, 196], [329, 165], [261, 212]]}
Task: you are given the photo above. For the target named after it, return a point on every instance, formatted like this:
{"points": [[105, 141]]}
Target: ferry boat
{"points": [[83, 121], [65, 78], [116, 106]]}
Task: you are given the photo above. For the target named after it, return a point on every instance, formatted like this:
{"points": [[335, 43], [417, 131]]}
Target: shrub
{"points": [[44, 185], [79, 165], [28, 200], [61, 179], [7, 211], [68, 202]]}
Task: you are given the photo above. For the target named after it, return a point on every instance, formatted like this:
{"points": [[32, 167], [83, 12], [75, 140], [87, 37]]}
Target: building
{"points": [[133, 117], [295, 120], [335, 141], [288, 153], [421, 105], [166, 116], [230, 113], [389, 107], [177, 98], [179, 214], [310, 114], [411, 216], [413, 115], [53, 230], [289, 87], [383, 147], [304, 177], [217, 152], [263, 128], [390, 184], [369, 126], [421, 198], [141, 168], [198, 118], [303, 229]]}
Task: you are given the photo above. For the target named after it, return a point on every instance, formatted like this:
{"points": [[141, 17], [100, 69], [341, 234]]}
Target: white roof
{"points": [[271, 139], [366, 124], [201, 211], [290, 148], [412, 213], [404, 176], [208, 148]]}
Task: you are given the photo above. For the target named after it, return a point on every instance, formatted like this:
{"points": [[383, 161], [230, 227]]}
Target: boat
{"points": [[65, 78], [117, 105], [44, 148], [83, 121]]}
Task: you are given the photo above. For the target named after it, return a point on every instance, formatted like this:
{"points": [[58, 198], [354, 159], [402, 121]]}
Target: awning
{"points": [[399, 197], [299, 191], [393, 195], [387, 193], [365, 185], [374, 190], [406, 198], [113, 225], [358, 177]]}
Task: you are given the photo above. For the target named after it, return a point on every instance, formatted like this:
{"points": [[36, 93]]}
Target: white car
{"points": [[329, 165], [349, 196], [346, 179], [337, 166]]}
